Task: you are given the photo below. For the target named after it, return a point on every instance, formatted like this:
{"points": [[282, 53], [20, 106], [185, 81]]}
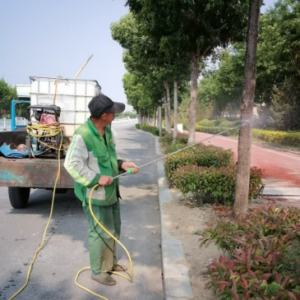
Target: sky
{"points": [[55, 38]]}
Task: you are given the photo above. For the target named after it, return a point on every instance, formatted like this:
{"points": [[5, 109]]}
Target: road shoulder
{"points": [[176, 278]]}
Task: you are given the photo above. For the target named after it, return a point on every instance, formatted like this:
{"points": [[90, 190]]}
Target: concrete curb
{"points": [[281, 191], [124, 121], [176, 278]]}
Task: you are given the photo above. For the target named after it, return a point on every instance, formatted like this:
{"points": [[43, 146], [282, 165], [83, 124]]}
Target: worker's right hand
{"points": [[105, 180]]}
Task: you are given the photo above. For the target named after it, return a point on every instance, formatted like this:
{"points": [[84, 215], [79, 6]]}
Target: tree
{"points": [[244, 143], [195, 27], [144, 68], [145, 58], [223, 87], [277, 70], [7, 93]]}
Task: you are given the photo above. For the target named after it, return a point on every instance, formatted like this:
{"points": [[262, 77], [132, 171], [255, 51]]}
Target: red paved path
{"points": [[280, 168]]}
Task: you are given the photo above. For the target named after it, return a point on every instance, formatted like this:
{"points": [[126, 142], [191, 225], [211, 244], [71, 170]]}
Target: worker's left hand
{"points": [[130, 165]]}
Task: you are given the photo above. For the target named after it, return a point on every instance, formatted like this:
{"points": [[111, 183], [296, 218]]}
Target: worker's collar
{"points": [[93, 127]]}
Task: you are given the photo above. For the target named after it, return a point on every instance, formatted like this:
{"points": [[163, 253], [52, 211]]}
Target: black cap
{"points": [[102, 104]]}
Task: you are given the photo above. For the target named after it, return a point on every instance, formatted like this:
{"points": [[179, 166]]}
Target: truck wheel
{"points": [[18, 197]]}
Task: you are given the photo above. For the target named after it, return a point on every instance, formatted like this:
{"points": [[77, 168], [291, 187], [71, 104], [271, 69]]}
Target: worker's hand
{"points": [[105, 180], [130, 165]]}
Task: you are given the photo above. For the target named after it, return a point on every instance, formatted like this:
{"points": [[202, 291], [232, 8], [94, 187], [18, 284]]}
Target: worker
{"points": [[91, 159]]}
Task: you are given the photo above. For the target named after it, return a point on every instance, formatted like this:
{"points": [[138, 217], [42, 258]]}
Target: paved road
{"points": [[66, 250], [280, 168]]}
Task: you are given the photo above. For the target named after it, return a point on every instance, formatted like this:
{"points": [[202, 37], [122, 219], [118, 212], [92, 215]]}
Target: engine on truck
{"points": [[43, 129]]}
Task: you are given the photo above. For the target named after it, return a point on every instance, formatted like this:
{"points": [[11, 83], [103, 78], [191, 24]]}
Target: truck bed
{"points": [[33, 173], [26, 172]]}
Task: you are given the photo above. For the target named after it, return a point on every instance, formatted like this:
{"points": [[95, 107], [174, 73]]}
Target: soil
{"points": [[187, 224]]}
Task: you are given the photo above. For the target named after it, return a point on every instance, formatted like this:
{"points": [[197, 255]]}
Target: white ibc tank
{"points": [[72, 96]]}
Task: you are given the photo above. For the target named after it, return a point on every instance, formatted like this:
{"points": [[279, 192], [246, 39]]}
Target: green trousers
{"points": [[102, 247]]}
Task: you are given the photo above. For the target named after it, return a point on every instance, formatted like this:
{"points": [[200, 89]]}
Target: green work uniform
{"points": [[89, 156]]}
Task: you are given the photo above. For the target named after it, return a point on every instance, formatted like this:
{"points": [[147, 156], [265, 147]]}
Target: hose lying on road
{"points": [[88, 268], [46, 228]]}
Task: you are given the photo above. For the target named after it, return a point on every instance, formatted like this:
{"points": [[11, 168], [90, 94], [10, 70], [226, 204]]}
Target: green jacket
{"points": [[88, 158]]}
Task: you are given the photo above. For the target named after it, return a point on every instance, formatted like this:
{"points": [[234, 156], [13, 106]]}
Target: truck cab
{"points": [[15, 106]]}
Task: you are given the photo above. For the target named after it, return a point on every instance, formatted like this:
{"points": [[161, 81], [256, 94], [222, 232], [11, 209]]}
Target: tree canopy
{"points": [[278, 70], [7, 93], [194, 28]]}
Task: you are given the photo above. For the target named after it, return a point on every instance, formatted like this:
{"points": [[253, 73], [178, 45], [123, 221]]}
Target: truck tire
{"points": [[18, 196]]}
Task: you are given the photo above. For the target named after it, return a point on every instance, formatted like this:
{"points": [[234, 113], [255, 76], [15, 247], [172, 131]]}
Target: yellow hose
{"points": [[51, 130], [48, 130], [45, 231], [88, 268]]}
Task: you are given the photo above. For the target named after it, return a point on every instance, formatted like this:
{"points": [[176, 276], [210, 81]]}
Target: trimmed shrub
{"points": [[174, 147], [263, 256], [278, 137], [200, 155], [154, 130], [208, 123], [217, 130], [213, 184], [226, 123], [167, 139], [167, 142]]}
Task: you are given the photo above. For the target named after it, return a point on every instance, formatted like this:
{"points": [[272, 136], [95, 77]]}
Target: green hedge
{"points": [[152, 129], [167, 139], [277, 137], [213, 184], [218, 129], [200, 155], [206, 122], [280, 138], [167, 142]]}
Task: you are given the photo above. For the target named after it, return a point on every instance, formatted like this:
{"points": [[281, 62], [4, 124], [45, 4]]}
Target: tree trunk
{"points": [[168, 107], [140, 119], [166, 118], [175, 110], [159, 120], [149, 116], [154, 118], [245, 134], [143, 118], [193, 96]]}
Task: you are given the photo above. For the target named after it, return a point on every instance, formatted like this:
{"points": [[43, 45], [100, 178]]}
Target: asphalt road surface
{"points": [[66, 250]]}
